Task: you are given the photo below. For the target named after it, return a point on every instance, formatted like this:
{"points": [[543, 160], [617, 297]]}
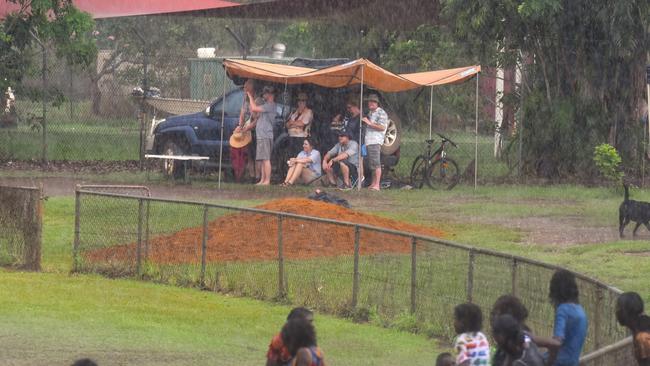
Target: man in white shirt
{"points": [[377, 122]]}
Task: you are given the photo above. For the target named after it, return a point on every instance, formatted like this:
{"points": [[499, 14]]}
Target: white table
{"points": [[177, 157]]}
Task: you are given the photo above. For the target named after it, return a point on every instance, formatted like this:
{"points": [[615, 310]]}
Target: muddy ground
{"points": [[562, 230]]}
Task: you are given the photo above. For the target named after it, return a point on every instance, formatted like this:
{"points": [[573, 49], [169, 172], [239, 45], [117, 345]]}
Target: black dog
{"points": [[631, 210]]}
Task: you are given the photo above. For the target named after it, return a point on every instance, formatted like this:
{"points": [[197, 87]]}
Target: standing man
{"points": [[263, 131], [377, 122]]}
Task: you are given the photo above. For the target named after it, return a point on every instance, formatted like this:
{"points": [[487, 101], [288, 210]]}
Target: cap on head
{"points": [[302, 96], [345, 133], [373, 98], [268, 90]]}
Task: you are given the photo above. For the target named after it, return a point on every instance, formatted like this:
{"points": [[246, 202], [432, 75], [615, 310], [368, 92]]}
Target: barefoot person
{"points": [[263, 131], [377, 122], [306, 167]]}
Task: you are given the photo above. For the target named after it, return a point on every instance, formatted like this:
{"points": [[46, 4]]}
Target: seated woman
{"points": [[306, 167], [298, 124]]}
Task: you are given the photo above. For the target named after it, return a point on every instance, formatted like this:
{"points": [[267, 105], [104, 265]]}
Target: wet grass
{"points": [[54, 318]]}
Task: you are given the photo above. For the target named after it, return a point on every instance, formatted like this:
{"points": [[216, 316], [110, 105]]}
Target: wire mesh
{"points": [[107, 240], [441, 285], [385, 274], [242, 253], [369, 274], [20, 227]]}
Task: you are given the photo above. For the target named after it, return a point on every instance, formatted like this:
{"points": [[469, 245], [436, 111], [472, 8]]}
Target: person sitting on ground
{"points": [[570, 329], [629, 313], [263, 131], [349, 121], [511, 305], [308, 158], [298, 124], [299, 336], [512, 340], [445, 359], [278, 354], [343, 160], [377, 123], [471, 345]]}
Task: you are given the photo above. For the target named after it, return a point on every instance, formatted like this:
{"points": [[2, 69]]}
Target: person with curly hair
{"points": [[299, 336], [629, 313], [471, 345], [278, 353], [511, 305], [570, 327], [514, 343]]}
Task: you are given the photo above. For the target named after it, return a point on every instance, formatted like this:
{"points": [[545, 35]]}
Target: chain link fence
{"points": [[21, 220], [366, 273]]}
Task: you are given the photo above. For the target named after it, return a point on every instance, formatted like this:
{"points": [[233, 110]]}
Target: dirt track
{"points": [[567, 230]]}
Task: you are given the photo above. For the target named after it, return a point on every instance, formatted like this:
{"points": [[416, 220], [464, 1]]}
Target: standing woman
{"points": [[306, 167], [263, 131], [240, 140], [298, 123]]}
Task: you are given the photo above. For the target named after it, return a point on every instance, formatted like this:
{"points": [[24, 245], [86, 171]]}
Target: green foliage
{"points": [[582, 65], [43, 23], [608, 162]]}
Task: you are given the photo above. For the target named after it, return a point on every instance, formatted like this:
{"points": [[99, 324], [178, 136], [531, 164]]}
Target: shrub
{"points": [[608, 162]]}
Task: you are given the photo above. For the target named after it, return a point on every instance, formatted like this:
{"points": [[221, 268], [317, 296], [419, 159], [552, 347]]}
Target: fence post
{"points": [[514, 276], [204, 244], [281, 284], [356, 276], [138, 262], [413, 273], [470, 276], [146, 231], [597, 318], [75, 244]]}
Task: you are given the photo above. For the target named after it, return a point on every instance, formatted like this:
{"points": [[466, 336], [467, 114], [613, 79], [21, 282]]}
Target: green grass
{"points": [[83, 136], [80, 136], [54, 318], [324, 282], [593, 207]]}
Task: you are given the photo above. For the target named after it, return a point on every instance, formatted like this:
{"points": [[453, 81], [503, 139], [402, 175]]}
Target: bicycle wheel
{"points": [[443, 173], [418, 170]]}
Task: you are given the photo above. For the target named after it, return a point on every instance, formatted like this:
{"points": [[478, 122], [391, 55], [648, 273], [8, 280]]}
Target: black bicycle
{"points": [[435, 168]]}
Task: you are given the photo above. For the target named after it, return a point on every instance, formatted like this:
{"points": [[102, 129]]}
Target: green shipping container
{"points": [[206, 75]]}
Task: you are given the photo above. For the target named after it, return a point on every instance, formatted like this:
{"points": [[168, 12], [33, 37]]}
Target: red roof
{"points": [[124, 8]]}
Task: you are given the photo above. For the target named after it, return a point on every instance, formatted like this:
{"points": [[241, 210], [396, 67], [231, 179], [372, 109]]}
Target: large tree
{"points": [[43, 24], [583, 72]]}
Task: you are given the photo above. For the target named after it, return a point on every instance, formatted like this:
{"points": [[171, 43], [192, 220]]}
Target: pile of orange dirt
{"points": [[249, 236]]}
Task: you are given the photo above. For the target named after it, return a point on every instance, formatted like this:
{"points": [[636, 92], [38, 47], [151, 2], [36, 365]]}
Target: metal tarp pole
{"points": [[223, 117], [476, 137], [430, 112], [360, 172]]}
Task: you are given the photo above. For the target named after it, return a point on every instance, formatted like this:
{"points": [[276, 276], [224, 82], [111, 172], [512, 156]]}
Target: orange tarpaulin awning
{"points": [[276, 73], [349, 73], [441, 77]]}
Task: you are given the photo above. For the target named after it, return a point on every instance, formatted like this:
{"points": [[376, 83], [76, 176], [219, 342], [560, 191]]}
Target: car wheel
{"points": [[393, 136], [170, 167]]}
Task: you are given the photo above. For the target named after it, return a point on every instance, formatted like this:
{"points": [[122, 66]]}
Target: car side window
{"points": [[234, 102]]}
